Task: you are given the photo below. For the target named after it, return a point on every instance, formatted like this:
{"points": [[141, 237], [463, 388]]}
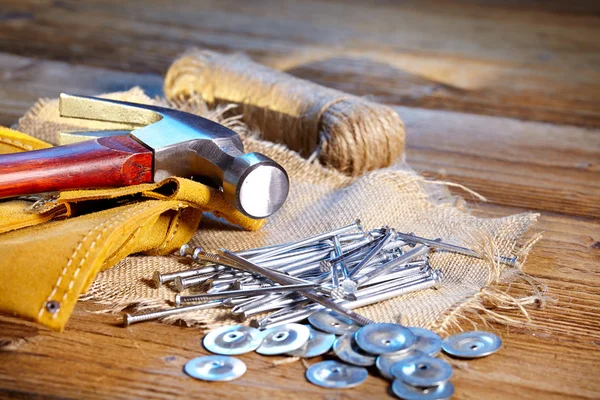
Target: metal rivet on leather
{"points": [[336, 375], [408, 392], [423, 371], [384, 338], [318, 343], [428, 342], [215, 368], [472, 344], [331, 322], [232, 340], [52, 306], [385, 361], [347, 350], [283, 339]]}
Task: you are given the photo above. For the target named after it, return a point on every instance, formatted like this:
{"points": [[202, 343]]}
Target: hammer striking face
{"points": [[162, 143]]}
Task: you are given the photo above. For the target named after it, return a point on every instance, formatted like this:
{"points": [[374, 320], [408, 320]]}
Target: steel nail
{"points": [[182, 283], [160, 279], [219, 288], [242, 293], [339, 271], [132, 319], [403, 259], [354, 226], [438, 244], [269, 307], [398, 282], [408, 269], [298, 253], [434, 281], [389, 235]]}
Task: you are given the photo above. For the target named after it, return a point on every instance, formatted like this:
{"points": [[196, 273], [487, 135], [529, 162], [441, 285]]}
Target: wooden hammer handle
{"points": [[103, 162]]}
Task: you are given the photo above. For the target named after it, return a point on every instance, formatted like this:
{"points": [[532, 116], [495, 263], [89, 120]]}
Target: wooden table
{"points": [[501, 96]]}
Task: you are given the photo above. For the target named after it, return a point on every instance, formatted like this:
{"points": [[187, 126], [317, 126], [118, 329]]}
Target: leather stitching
{"points": [[16, 143], [106, 224], [176, 228]]}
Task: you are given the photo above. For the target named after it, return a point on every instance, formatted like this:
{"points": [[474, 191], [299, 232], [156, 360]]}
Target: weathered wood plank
{"points": [[554, 359], [525, 164], [525, 60]]}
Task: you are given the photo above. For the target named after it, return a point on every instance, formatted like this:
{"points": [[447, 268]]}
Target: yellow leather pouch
{"points": [[51, 250]]}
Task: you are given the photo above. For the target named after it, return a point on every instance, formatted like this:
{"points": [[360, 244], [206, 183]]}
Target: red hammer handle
{"points": [[103, 162]]}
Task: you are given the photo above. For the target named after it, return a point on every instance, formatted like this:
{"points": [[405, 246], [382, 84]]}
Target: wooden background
{"points": [[501, 96]]}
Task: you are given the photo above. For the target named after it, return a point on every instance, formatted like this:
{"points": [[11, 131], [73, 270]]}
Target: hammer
{"points": [[158, 143]]}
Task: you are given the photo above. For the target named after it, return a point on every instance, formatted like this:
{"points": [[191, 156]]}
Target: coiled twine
{"points": [[343, 131]]}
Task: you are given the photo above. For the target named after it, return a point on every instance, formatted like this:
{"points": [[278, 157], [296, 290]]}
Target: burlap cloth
{"points": [[322, 199]]}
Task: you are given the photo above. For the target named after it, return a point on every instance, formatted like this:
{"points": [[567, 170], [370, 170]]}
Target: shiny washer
{"points": [[215, 368], [428, 342], [331, 322], [336, 375], [381, 338], [318, 343], [283, 339], [408, 392], [347, 350], [422, 371], [385, 361], [232, 340], [472, 344]]}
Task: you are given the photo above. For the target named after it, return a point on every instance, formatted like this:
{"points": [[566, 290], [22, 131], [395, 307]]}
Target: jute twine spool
{"points": [[343, 131]]}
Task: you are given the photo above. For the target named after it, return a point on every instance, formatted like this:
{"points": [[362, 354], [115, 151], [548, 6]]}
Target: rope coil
{"points": [[343, 131]]}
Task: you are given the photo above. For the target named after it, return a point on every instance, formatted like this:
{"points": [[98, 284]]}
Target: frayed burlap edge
{"points": [[486, 306]]}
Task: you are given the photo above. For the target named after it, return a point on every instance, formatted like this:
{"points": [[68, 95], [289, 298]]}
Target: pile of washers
{"points": [[404, 355]]}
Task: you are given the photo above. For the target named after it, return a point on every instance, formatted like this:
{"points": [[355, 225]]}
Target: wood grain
{"points": [[509, 59], [516, 163], [463, 75], [102, 162]]}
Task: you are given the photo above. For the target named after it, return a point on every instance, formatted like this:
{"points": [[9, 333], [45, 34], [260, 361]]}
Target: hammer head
{"points": [[190, 146]]}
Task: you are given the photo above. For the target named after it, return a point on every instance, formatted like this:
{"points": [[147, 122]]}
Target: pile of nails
{"points": [[340, 270], [404, 355]]}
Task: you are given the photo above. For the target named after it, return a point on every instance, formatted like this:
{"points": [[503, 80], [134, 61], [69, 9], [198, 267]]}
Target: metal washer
{"points": [[283, 339], [428, 342], [408, 392], [215, 368], [472, 344], [318, 343], [336, 375], [381, 338], [347, 350], [232, 340], [422, 371], [385, 361], [331, 322]]}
